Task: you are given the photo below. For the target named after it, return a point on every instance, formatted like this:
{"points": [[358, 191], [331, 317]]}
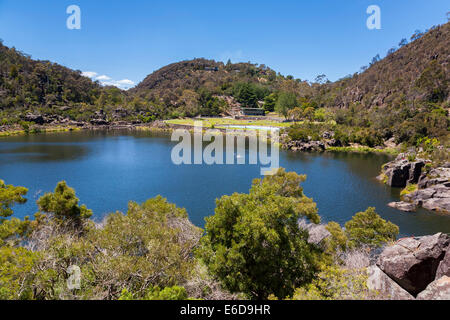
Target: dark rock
{"points": [[415, 171], [333, 143], [328, 135], [398, 176], [99, 122], [36, 118], [413, 262], [99, 115], [400, 172]]}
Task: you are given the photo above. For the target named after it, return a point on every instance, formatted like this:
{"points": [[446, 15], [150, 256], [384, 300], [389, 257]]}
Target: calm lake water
{"points": [[107, 169]]}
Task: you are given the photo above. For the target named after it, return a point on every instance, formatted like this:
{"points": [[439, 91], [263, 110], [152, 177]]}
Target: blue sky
{"points": [[126, 40]]}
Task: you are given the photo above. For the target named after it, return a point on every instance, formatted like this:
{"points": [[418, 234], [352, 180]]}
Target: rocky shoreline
{"points": [[429, 187], [413, 268]]}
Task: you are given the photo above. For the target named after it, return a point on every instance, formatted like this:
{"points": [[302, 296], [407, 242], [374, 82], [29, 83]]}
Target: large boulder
{"points": [[403, 206], [434, 198], [413, 262], [444, 266], [387, 287], [401, 171], [317, 233], [437, 290]]}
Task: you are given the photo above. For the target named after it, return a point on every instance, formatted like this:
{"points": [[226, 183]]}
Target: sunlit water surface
{"points": [[108, 169]]}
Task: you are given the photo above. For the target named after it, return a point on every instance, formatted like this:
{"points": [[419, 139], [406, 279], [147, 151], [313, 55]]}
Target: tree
{"points": [[11, 230], [295, 114], [246, 95], [286, 101], [321, 78], [391, 50], [416, 35], [403, 42], [270, 102], [63, 203], [375, 59], [10, 195], [368, 228], [150, 245], [253, 243], [308, 113]]}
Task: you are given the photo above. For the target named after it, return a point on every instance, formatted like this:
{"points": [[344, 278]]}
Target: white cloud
{"points": [[126, 82], [89, 74], [103, 78], [108, 81]]}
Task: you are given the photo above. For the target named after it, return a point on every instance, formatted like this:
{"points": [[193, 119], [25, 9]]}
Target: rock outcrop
{"points": [[309, 146], [434, 191], [317, 233], [380, 282], [403, 206], [400, 172], [413, 263], [444, 266], [437, 290], [433, 187]]}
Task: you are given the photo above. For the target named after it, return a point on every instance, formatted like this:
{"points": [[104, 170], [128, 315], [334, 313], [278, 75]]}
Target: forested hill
{"points": [[416, 71], [29, 84]]}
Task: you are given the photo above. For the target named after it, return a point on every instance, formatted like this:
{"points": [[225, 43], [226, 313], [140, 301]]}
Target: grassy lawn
{"points": [[221, 122]]}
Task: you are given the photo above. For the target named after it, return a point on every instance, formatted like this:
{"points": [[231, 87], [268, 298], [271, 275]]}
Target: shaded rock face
{"points": [[437, 290], [400, 172], [413, 262], [36, 118], [380, 282]]}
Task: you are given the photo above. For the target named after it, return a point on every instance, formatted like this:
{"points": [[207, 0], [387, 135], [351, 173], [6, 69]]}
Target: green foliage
{"points": [[15, 273], [286, 101], [210, 105], [428, 145], [409, 189], [245, 94], [12, 230], [270, 102], [10, 195], [151, 244], [338, 241], [63, 203], [335, 283], [156, 293], [368, 228], [253, 243]]}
